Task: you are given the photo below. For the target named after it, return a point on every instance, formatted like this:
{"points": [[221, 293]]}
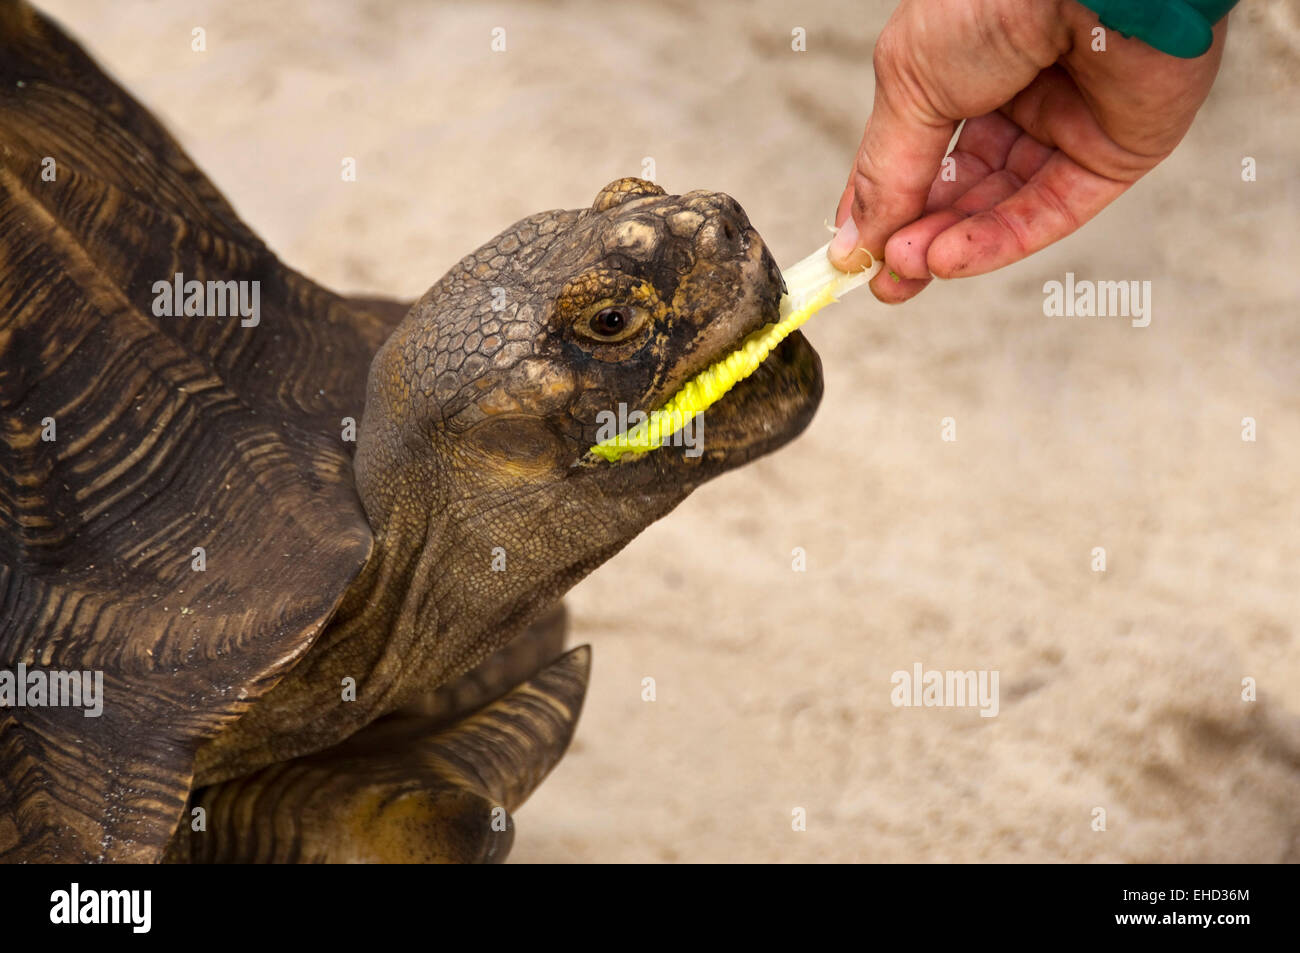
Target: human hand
{"points": [[1059, 131]]}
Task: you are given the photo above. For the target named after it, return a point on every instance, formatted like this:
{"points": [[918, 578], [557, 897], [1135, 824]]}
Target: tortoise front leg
{"points": [[539, 644], [407, 789]]}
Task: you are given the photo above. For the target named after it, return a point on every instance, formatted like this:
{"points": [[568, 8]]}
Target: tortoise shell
{"points": [[177, 508]]}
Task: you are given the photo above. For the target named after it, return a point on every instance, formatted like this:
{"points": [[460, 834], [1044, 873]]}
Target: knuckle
{"points": [[864, 195]]}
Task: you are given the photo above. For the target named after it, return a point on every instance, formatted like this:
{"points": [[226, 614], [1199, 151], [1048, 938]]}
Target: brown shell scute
{"points": [[172, 435]]}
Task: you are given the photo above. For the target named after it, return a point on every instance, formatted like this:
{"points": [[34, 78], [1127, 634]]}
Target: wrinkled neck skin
{"points": [[456, 575], [463, 559]]}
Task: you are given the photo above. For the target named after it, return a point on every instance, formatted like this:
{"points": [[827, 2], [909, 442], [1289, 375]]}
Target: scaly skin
{"points": [[202, 534], [479, 413]]}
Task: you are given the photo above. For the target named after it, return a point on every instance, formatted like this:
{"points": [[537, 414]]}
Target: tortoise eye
{"points": [[610, 322], [605, 323]]}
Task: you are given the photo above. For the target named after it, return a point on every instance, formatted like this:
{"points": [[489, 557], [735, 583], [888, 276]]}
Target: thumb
{"points": [[900, 156]]}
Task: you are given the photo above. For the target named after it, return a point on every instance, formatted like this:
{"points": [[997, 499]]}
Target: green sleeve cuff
{"points": [[1177, 27]]}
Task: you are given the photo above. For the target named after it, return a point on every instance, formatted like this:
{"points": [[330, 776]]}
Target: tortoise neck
{"points": [[446, 588], [458, 567]]}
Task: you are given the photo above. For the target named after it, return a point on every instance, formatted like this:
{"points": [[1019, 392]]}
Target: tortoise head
{"points": [[545, 340]]}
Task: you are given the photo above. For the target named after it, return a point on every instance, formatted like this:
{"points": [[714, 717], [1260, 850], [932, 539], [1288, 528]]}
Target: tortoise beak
{"points": [[766, 410]]}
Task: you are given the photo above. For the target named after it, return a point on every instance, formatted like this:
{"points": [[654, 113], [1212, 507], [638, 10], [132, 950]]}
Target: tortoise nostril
{"points": [[729, 230]]}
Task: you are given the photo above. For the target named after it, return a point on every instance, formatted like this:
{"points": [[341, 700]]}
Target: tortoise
{"points": [[315, 545]]}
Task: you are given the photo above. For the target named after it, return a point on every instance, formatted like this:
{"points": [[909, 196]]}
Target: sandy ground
{"points": [[1120, 690]]}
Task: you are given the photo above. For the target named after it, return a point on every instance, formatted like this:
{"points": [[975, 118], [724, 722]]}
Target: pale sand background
{"points": [[1119, 690]]}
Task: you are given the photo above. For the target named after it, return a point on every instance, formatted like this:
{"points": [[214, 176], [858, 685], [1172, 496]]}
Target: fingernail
{"points": [[844, 243]]}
